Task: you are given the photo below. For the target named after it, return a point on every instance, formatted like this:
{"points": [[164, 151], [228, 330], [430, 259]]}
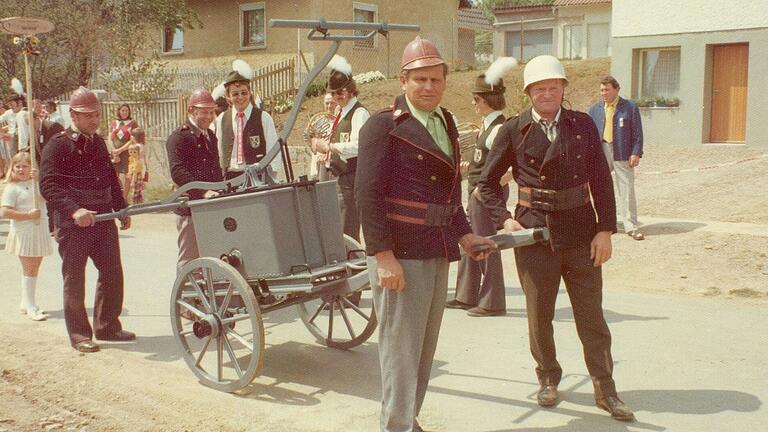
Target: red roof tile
{"points": [[579, 2]]}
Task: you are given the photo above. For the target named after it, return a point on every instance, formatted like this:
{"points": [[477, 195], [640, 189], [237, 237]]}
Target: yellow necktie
{"points": [[610, 110]]}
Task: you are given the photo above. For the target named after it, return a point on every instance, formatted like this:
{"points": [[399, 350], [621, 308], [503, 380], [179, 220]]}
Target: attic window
{"points": [[253, 26]]}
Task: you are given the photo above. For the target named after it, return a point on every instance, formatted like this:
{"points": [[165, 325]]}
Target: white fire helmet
{"points": [[542, 68]]}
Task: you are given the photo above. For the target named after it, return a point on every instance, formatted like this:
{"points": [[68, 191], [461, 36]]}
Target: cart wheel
{"points": [[217, 324], [343, 320]]}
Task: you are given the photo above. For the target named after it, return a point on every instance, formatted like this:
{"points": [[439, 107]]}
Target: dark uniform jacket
{"points": [[480, 155], [75, 173], [397, 158], [575, 158], [344, 169], [192, 157]]}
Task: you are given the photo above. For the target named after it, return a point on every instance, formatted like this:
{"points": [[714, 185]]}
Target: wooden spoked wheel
{"points": [[217, 323], [342, 319]]}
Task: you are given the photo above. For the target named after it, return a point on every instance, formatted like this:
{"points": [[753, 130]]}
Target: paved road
{"points": [[684, 364]]}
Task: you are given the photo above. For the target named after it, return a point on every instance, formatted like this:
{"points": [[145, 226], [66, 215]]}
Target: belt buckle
{"points": [[546, 194]]}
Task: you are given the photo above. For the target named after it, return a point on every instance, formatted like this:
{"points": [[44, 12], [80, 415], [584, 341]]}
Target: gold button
{"points": [[419, 156], [433, 178], [575, 177], [578, 136], [578, 156], [543, 178], [533, 161]]}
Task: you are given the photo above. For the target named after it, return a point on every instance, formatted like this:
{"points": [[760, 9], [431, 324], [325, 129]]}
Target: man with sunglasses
{"points": [[343, 142], [245, 132]]}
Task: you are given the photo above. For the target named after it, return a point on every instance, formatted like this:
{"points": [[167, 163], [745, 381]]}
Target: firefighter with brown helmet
{"points": [[408, 190], [193, 156], [78, 181]]}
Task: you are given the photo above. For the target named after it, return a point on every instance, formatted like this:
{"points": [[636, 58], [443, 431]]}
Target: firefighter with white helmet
{"points": [[408, 190], [78, 181], [193, 155], [564, 184]]}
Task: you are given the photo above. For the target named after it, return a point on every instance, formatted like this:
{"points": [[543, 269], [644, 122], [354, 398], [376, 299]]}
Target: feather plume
{"points": [[339, 63], [17, 87], [218, 91], [498, 68], [243, 68]]}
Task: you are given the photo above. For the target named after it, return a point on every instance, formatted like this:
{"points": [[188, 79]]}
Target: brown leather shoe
{"points": [[455, 304], [121, 336], [618, 409], [547, 395], [478, 311], [86, 346], [635, 234]]}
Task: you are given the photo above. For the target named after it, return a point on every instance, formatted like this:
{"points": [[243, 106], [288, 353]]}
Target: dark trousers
{"points": [[481, 283], [350, 219], [540, 271], [99, 243]]}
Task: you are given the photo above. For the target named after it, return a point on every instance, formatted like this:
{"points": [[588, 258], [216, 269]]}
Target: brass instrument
{"points": [[319, 126], [468, 134]]}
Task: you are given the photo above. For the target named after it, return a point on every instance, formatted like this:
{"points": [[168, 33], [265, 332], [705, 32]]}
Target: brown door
{"points": [[729, 93]]}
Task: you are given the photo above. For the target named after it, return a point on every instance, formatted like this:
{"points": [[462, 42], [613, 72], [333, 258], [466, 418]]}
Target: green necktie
{"points": [[437, 131]]}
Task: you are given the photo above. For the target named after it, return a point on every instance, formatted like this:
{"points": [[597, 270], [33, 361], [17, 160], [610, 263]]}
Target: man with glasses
{"points": [[245, 133], [480, 285], [343, 142]]}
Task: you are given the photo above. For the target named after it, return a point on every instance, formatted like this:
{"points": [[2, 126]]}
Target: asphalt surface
{"points": [[683, 364]]}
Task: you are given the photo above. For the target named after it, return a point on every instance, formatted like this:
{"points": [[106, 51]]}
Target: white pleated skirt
{"points": [[28, 239]]}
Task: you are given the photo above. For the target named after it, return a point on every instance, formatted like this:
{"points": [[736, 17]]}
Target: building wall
{"points": [[540, 19], [689, 123], [218, 42], [586, 16], [657, 17]]}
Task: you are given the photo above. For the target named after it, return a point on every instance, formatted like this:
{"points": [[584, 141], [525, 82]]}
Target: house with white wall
{"points": [[571, 29], [702, 62]]}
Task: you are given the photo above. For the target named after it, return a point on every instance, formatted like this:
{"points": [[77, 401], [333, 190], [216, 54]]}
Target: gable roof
{"points": [[473, 18]]}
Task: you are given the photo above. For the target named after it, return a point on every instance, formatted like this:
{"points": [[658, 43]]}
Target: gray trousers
{"points": [[187, 241], [624, 189], [481, 283], [409, 326]]}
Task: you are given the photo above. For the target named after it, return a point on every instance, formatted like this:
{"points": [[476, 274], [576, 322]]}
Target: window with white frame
{"points": [[572, 41], [173, 40], [253, 33], [659, 72], [364, 12]]}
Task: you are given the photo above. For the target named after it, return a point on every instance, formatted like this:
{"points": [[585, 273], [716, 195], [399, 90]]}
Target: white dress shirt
{"points": [[348, 150], [270, 135]]}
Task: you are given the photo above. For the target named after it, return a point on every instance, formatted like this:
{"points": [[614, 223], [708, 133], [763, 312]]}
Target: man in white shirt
{"points": [[245, 133], [9, 118], [343, 143]]}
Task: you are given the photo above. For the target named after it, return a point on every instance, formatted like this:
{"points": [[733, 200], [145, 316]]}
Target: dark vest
{"points": [[338, 166], [253, 134], [477, 163]]}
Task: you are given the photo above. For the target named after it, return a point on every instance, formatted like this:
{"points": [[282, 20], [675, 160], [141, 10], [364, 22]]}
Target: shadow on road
{"points": [[670, 228]]}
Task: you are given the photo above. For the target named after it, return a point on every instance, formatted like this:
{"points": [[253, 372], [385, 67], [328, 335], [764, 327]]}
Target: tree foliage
{"points": [[91, 37]]}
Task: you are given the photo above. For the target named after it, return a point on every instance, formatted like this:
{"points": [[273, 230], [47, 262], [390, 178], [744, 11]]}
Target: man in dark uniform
{"points": [[245, 132], [193, 156], [343, 142], [409, 195], [558, 163], [78, 181], [480, 285]]}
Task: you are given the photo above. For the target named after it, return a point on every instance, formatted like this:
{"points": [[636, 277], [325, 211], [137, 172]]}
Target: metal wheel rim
{"points": [[339, 316], [238, 372]]}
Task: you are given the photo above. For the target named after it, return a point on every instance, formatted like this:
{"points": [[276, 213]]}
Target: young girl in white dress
{"points": [[28, 237]]}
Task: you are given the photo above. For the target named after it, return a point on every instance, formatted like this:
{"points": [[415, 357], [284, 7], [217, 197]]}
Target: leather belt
{"points": [[553, 200], [421, 213]]}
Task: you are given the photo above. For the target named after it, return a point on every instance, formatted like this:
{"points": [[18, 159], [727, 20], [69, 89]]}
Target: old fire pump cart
{"points": [[266, 246]]}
